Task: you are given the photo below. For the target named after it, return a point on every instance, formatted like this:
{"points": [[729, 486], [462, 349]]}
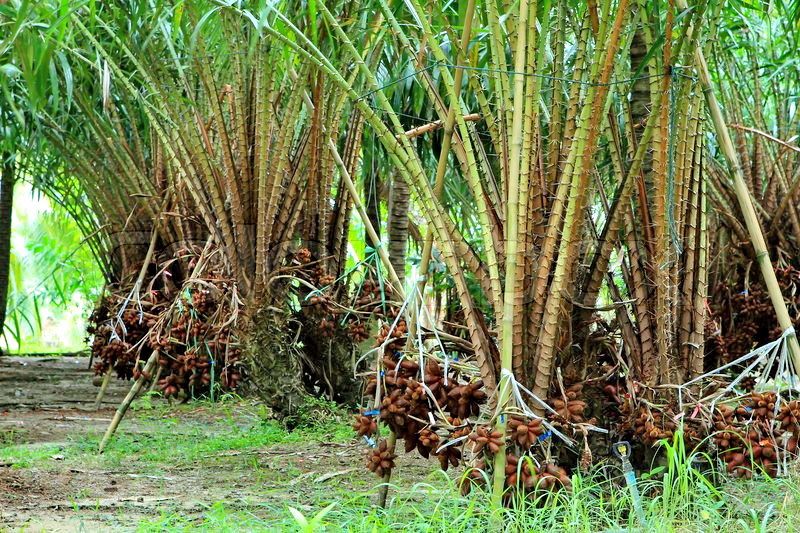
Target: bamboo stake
{"points": [[382, 253], [512, 243], [103, 387], [157, 377], [449, 127], [134, 293], [766, 135], [362, 213], [383, 493], [596, 106], [488, 229], [448, 124], [123, 407], [438, 124], [745, 203], [404, 156]]}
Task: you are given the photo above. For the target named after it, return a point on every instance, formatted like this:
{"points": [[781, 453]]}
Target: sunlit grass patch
{"points": [[166, 436], [596, 505], [27, 455]]}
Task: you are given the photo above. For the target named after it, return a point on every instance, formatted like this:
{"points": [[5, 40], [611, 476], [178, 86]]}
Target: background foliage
{"points": [[55, 279]]}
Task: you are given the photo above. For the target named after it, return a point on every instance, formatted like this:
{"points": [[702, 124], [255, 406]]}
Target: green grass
{"points": [[27, 456], [596, 505], [177, 435], [224, 443], [676, 497], [9, 437]]}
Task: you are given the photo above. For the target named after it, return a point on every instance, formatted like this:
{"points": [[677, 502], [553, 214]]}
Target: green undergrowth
{"points": [[597, 504], [676, 497], [28, 455], [156, 435], [277, 479]]}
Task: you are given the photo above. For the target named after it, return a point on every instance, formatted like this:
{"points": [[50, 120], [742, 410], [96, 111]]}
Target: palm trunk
{"points": [[640, 93], [6, 205]]}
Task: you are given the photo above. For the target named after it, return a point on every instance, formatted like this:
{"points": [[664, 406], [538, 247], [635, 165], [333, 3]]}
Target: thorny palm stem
{"points": [[441, 165], [745, 202]]}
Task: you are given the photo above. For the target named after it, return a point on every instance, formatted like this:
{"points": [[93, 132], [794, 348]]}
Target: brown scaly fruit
{"points": [[365, 425], [464, 401], [552, 478], [448, 456], [486, 437], [525, 433], [380, 459], [427, 442]]}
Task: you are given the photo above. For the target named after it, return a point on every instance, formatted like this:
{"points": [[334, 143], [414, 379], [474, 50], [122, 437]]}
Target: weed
{"points": [[145, 402], [10, 437], [315, 523], [676, 496], [316, 413]]}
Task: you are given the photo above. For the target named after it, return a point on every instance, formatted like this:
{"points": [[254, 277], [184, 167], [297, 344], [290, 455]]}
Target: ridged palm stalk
{"points": [[763, 121], [245, 161], [746, 203], [397, 226], [549, 115]]}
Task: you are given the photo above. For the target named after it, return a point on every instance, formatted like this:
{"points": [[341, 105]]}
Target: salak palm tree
{"points": [[567, 175]]}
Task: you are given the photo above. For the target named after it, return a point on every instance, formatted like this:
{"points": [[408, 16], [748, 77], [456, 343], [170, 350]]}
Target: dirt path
{"points": [[52, 382], [42, 399], [168, 466]]}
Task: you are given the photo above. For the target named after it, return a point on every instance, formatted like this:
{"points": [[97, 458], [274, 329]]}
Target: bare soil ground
{"points": [[165, 460], [43, 399]]}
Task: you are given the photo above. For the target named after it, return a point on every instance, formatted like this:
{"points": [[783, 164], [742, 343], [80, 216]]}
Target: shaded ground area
{"points": [[44, 399], [167, 465], [52, 382]]}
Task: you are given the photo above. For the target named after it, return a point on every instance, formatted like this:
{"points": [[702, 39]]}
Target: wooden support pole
{"points": [[438, 124], [383, 492], [123, 407], [362, 213], [103, 387], [376, 242], [441, 165], [154, 383]]}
